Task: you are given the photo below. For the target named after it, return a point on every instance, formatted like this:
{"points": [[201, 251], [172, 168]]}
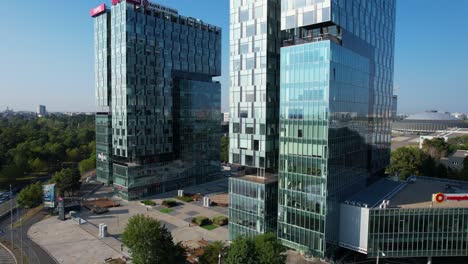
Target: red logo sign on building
{"points": [[444, 197], [98, 10]]}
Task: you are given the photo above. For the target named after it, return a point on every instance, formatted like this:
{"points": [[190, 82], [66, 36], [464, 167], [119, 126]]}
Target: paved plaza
{"points": [[69, 243], [55, 235]]}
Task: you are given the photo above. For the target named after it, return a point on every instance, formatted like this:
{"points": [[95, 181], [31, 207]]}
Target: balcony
{"points": [[310, 39]]}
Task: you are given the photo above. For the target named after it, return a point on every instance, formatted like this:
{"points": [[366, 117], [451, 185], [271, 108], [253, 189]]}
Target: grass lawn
{"points": [[165, 210], [30, 213], [209, 227]]}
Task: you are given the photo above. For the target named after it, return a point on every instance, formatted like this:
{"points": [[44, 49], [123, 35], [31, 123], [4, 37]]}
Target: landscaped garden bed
{"points": [[169, 203], [185, 198], [220, 220], [148, 203]]}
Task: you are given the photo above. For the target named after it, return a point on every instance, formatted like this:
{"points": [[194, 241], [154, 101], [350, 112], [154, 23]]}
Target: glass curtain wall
{"points": [[418, 232]]}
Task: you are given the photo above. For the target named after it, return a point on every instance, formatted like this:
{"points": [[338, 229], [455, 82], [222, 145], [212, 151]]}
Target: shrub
{"points": [[201, 220], [220, 220], [184, 198], [169, 203], [148, 202]]}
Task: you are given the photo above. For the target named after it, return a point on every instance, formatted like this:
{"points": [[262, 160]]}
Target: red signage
{"points": [[443, 197], [98, 10], [457, 198]]}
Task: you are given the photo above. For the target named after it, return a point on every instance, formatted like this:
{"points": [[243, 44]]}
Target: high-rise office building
{"points": [[394, 107], [157, 125], [253, 121], [41, 110], [336, 95], [336, 84]]}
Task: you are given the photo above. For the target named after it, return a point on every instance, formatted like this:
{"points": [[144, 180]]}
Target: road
{"points": [[406, 140], [35, 253]]}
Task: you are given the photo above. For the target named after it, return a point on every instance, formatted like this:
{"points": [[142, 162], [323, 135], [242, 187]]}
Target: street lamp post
{"points": [[11, 218], [378, 255]]}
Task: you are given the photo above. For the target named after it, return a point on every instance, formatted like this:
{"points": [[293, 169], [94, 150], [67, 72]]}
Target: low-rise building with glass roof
{"points": [[421, 217]]}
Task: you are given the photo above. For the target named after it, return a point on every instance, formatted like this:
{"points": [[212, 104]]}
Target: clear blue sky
{"points": [[47, 53]]}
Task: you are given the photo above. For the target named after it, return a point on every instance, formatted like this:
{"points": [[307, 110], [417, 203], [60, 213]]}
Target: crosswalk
{"points": [[6, 257]]}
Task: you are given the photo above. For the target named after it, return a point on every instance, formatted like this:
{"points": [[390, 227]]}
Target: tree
{"points": [[149, 242], [441, 171], [88, 164], [242, 251], [31, 196], [211, 253], [407, 161], [67, 180], [464, 171], [38, 165], [269, 249], [436, 147], [224, 149]]}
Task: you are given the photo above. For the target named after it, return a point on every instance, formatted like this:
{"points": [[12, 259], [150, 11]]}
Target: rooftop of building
{"points": [[257, 179], [432, 116], [415, 193], [460, 154]]}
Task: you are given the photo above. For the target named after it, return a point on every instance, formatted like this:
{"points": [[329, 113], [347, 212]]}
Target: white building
{"points": [[41, 110], [461, 116], [226, 117]]}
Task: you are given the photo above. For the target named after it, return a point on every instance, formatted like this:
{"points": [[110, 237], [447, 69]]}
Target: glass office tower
{"points": [[335, 107], [254, 107], [153, 68]]}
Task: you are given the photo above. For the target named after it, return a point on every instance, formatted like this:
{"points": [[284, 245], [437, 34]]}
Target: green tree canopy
{"points": [[464, 171], [211, 253], [407, 161], [460, 143], [67, 180], [436, 148], [30, 196], [31, 145], [150, 242], [269, 249], [224, 149], [243, 251]]}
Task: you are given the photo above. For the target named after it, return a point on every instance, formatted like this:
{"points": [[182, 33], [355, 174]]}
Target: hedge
{"points": [[201, 220], [169, 203], [220, 220]]}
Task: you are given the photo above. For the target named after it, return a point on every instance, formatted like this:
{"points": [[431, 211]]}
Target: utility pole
{"points": [[11, 218], [21, 234]]}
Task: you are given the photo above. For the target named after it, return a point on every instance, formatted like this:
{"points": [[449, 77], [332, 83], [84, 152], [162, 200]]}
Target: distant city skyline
{"points": [[47, 58]]}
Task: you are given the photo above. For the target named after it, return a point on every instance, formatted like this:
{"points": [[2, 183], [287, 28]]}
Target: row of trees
{"points": [[407, 161], [67, 181], [151, 242], [32, 145]]}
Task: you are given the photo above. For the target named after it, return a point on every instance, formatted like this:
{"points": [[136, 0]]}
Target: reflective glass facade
{"points": [[104, 148], [419, 232], [148, 51], [335, 108], [252, 206], [254, 91]]}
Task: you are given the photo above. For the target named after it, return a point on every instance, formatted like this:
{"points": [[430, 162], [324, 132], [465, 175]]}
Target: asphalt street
{"points": [[34, 252]]}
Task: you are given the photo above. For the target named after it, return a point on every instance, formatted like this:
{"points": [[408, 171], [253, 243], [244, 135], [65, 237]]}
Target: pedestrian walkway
{"points": [[70, 243], [5, 256]]}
